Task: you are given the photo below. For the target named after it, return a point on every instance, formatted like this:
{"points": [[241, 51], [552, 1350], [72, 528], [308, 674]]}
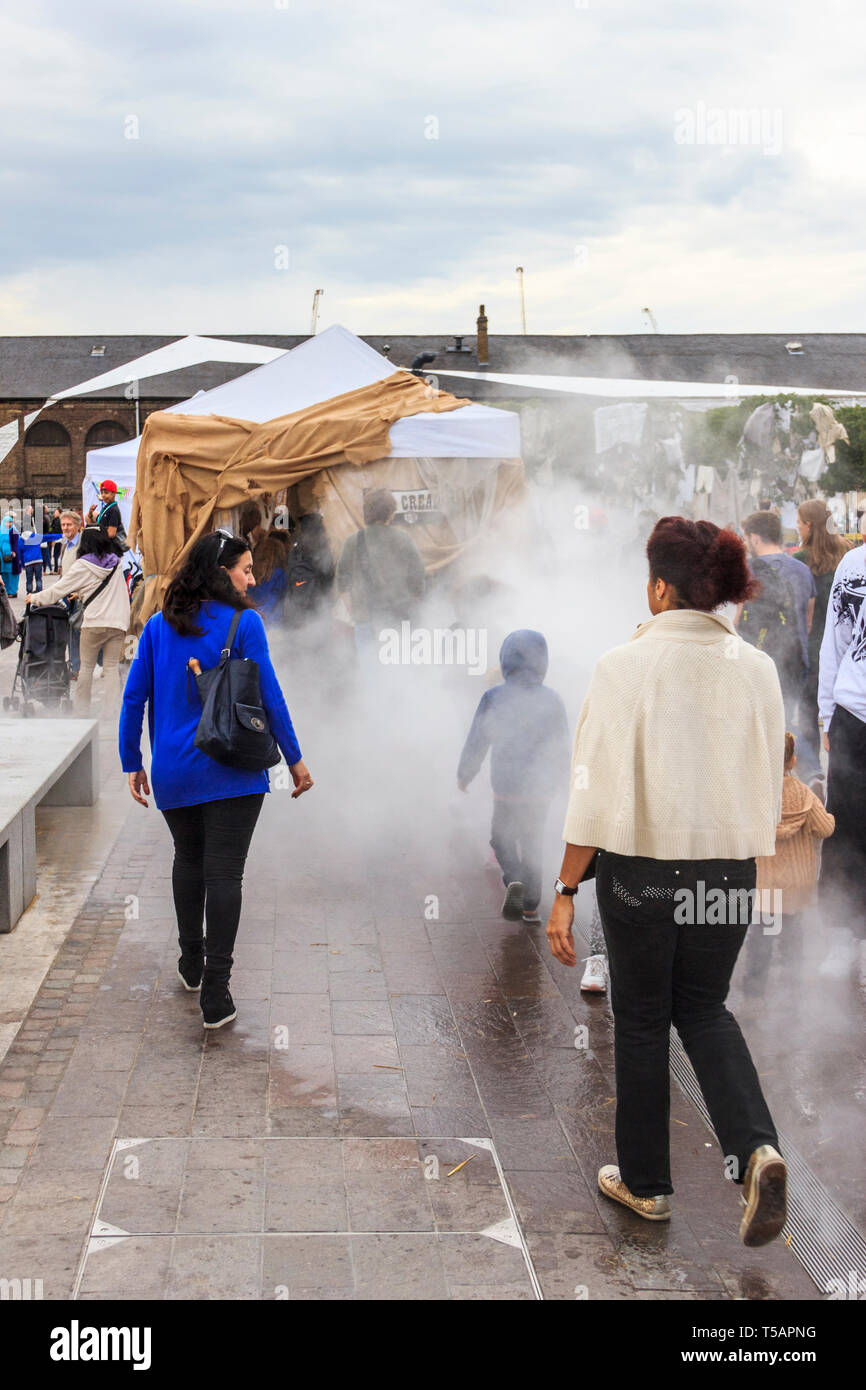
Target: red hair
{"points": [[706, 565]]}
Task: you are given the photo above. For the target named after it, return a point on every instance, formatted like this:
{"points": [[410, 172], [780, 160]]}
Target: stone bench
{"points": [[52, 762]]}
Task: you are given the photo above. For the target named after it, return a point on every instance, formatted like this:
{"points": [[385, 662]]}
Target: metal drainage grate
{"points": [[829, 1247]]}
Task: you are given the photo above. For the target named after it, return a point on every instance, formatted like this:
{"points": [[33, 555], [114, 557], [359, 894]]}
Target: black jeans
{"points": [[211, 842], [667, 971], [516, 837], [843, 855]]}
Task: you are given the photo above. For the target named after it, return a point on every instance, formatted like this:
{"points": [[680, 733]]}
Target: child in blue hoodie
{"points": [[31, 554], [524, 725]]}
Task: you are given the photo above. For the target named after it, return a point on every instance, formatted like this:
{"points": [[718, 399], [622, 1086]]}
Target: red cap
{"points": [[109, 485]]}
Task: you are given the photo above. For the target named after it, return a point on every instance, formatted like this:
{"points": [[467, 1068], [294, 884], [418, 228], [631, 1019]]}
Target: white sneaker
{"points": [[843, 954], [595, 975]]}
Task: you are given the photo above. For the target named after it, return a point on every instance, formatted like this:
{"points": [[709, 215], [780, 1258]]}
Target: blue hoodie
{"points": [[32, 543], [524, 725]]}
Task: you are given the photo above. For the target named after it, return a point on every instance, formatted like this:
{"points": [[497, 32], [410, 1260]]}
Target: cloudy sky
{"points": [[203, 166]]}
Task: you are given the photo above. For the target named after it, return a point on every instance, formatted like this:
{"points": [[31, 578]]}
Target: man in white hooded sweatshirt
{"points": [[842, 708]]}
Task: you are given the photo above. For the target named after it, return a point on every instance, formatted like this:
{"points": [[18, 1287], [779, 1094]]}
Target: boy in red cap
{"points": [[107, 516]]}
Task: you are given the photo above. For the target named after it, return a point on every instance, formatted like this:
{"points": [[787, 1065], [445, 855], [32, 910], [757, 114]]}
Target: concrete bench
{"points": [[47, 761]]}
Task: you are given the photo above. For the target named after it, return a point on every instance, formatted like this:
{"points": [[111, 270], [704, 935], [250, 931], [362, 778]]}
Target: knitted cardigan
{"points": [[793, 867], [679, 747]]}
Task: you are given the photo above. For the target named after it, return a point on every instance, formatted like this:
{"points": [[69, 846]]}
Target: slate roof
{"points": [[31, 368]]}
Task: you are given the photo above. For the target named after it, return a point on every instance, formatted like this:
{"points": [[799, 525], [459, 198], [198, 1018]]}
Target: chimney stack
{"points": [[481, 339]]}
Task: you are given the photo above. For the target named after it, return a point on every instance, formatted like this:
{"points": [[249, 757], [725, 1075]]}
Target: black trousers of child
{"points": [[517, 837], [211, 842], [662, 972]]}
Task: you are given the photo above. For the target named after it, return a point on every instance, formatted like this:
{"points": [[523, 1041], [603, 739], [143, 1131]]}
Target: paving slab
{"points": [[400, 1111]]}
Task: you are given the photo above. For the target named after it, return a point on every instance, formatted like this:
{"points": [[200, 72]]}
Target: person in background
{"points": [[271, 576], [311, 570], [96, 578], [786, 879], [524, 725], [211, 809], [10, 555], [250, 525], [106, 514], [821, 549], [842, 709], [32, 543], [787, 593], [380, 572], [70, 525], [677, 783], [56, 547]]}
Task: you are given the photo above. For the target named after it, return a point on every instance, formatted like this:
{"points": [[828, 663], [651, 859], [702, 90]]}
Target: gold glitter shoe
{"points": [[765, 1193], [650, 1208]]}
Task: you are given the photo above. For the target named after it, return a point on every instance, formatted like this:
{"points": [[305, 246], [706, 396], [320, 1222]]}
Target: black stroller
{"points": [[43, 670]]}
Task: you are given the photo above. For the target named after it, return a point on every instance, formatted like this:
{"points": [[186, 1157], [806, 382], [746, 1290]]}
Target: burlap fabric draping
{"points": [[191, 466], [477, 490]]}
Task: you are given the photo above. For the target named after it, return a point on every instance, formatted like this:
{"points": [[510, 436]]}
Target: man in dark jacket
{"points": [[524, 725], [380, 572]]}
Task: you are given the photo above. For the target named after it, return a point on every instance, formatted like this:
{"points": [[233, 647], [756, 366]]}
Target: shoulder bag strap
{"points": [[230, 637], [96, 592]]}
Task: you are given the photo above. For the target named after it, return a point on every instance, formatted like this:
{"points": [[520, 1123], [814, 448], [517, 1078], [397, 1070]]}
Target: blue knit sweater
{"points": [[180, 774]]}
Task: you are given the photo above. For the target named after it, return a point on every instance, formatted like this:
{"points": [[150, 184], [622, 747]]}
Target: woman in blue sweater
{"points": [[211, 810]]}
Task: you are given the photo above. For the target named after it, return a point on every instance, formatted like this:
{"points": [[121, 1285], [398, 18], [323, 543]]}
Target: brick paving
{"points": [[286, 1153]]}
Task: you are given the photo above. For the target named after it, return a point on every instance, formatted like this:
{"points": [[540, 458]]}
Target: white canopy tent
{"points": [[329, 364], [698, 394]]}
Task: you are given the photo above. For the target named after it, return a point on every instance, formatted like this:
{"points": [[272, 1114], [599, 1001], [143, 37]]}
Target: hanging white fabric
{"points": [[619, 424], [812, 464]]}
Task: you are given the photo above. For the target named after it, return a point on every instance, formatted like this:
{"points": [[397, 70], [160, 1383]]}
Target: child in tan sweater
{"points": [[786, 879]]}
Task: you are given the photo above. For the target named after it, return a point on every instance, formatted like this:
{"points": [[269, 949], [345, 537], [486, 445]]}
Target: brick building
{"points": [[48, 460]]}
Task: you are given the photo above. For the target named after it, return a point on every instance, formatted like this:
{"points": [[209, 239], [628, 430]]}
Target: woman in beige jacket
{"points": [[96, 578], [677, 781]]}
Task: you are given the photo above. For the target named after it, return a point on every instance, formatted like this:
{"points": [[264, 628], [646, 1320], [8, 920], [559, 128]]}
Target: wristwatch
{"points": [[564, 890]]}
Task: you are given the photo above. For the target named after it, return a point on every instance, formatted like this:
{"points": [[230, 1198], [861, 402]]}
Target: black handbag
{"points": [[234, 728]]}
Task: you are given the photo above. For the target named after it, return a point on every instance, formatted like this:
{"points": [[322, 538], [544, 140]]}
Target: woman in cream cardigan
{"points": [[677, 781], [96, 578]]}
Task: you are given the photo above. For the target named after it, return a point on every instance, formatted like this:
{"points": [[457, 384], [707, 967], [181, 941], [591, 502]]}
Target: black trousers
{"points": [[211, 842], [805, 728], [843, 854], [664, 971], [516, 837]]}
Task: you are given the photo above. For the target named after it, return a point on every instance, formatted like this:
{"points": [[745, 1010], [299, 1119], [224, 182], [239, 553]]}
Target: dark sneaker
{"points": [[531, 915], [765, 1193], [189, 971], [217, 1009], [512, 907]]}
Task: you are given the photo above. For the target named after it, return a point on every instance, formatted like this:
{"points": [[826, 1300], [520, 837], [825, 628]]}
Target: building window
{"points": [[47, 458], [106, 432], [47, 434]]}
